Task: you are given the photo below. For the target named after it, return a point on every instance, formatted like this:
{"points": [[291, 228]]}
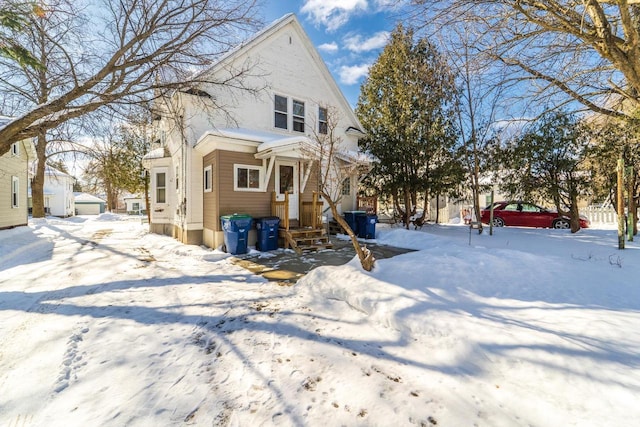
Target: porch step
{"points": [[305, 239], [335, 228]]}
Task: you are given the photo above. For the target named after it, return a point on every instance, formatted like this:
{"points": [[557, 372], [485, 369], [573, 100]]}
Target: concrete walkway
{"points": [[286, 267]]}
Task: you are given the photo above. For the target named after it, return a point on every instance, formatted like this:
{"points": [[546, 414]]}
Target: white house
{"points": [[135, 205], [249, 156], [58, 193], [14, 182]]}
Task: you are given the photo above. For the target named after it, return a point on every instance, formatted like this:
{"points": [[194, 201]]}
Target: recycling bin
{"points": [[267, 233], [367, 225], [236, 232], [351, 218]]}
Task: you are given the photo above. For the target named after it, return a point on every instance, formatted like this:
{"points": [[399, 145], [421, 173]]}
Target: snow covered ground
{"points": [[103, 324]]}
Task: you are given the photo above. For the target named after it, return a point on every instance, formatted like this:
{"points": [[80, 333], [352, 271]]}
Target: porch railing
{"points": [[281, 209], [368, 204], [311, 213]]}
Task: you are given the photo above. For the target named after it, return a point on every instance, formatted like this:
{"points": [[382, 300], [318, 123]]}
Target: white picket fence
{"points": [[600, 215]]}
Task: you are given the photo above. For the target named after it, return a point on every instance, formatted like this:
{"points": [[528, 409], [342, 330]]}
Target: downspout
{"points": [[183, 189]]}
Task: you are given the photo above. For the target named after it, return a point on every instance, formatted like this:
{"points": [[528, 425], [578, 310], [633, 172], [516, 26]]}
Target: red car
{"points": [[523, 214]]}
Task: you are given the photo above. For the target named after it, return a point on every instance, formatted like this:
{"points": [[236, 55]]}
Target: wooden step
{"points": [[305, 239], [315, 247], [335, 228]]}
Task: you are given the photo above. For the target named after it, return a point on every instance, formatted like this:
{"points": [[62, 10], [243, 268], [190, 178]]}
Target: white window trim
{"points": [[345, 183], [285, 112], [325, 121], [295, 116], [155, 186], [208, 186], [15, 192], [260, 169], [15, 149]]}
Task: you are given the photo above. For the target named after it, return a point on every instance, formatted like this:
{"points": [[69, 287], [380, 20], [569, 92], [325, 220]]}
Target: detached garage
{"points": [[86, 204]]}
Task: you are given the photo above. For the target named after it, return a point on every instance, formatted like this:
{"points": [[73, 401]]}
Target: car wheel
{"points": [[561, 224], [498, 222]]}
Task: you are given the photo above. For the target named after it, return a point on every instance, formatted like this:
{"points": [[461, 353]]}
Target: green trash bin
{"points": [[236, 232]]}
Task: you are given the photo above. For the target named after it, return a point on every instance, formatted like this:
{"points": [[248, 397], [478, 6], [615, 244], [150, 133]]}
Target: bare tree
{"points": [[116, 152], [135, 50], [570, 50], [480, 98], [328, 151]]}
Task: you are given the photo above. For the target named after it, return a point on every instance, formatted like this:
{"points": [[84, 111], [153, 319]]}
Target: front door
{"points": [[287, 181]]}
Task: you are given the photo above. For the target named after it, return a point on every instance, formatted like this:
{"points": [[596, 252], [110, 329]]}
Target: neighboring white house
{"points": [[14, 182], [251, 154], [58, 193], [135, 205], [87, 204]]}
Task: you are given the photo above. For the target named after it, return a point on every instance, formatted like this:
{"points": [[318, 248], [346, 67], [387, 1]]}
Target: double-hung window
{"points": [[247, 177], [322, 120], [208, 179], [161, 187], [298, 116], [346, 187], [15, 191], [281, 108]]}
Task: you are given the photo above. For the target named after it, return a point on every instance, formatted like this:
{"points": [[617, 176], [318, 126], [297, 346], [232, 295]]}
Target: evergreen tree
{"points": [[407, 108], [548, 162], [13, 19], [612, 140]]}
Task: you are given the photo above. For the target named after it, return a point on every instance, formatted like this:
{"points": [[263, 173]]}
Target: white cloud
{"points": [[356, 43], [350, 75], [333, 13], [329, 47]]}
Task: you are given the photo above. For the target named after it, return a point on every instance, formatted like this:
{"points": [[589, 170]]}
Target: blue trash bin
{"points": [[351, 218], [236, 232], [267, 233], [367, 226]]}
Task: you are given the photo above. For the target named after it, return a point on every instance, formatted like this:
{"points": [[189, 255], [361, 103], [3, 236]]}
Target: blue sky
{"points": [[349, 34]]}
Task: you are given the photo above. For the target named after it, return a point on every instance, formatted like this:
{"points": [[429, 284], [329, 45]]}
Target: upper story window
{"points": [[298, 116], [322, 120], [281, 118], [247, 177], [15, 191], [208, 179], [15, 149]]}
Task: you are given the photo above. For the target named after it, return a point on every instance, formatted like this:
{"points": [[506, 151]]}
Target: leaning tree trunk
{"points": [[364, 255], [37, 185]]}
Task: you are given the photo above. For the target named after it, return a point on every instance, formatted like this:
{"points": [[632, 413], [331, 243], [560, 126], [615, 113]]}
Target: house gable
{"points": [[282, 61]]}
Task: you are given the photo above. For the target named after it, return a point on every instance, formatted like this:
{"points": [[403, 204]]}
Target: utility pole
{"points": [[491, 213], [620, 202], [630, 206]]}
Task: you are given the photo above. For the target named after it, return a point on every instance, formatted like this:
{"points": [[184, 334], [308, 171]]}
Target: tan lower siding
{"points": [[254, 203], [223, 200], [189, 237], [164, 229], [13, 226]]}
